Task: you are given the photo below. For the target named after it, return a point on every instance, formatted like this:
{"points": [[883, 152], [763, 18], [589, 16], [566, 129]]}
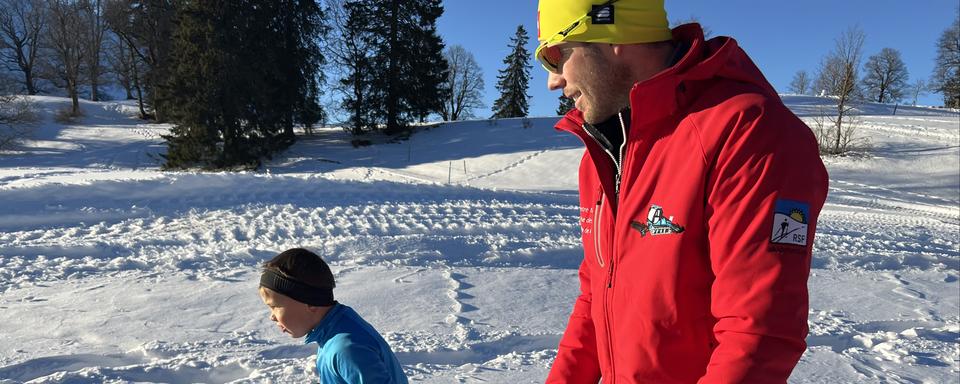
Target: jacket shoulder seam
{"points": [[696, 131]]}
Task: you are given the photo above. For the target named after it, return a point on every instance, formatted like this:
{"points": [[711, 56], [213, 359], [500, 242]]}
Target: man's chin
{"points": [[596, 119]]}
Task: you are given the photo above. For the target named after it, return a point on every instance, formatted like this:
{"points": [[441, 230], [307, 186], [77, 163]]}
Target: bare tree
{"points": [[800, 83], [94, 11], [147, 28], [21, 25], [885, 76], [946, 72], [707, 32], [67, 40], [119, 63], [16, 114], [126, 58], [464, 84], [918, 88], [838, 78]]}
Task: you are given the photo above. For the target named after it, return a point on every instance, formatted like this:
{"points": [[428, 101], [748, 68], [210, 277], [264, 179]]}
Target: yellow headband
{"points": [[630, 22]]}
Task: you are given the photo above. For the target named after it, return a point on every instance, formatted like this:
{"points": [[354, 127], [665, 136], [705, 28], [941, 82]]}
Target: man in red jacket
{"points": [[699, 195]]}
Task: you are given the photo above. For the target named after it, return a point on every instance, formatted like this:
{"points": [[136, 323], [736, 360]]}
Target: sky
{"points": [[781, 37]]}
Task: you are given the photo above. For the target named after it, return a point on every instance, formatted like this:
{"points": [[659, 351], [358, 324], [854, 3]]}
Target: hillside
{"points": [[460, 245]]}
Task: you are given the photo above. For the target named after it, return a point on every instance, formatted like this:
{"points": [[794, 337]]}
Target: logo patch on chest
{"points": [[656, 223], [790, 220]]}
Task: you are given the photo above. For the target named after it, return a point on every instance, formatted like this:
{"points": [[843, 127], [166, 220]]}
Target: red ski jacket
{"points": [[695, 267]]}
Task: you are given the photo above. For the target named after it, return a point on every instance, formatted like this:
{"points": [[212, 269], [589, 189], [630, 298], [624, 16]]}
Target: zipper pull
{"points": [[610, 277]]}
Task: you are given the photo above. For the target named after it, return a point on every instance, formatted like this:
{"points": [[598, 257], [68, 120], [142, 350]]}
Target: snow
{"points": [[460, 245]]}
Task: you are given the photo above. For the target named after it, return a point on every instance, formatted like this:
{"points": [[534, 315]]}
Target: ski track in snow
{"points": [[238, 229], [467, 285]]}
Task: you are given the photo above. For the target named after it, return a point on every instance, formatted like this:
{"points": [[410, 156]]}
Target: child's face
{"points": [[294, 318]]}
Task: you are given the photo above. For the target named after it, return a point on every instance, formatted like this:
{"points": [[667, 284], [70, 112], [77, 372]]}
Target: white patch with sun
{"points": [[790, 220]]}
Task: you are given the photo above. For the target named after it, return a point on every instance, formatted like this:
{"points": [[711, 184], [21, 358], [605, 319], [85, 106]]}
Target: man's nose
{"points": [[273, 317], [555, 81]]}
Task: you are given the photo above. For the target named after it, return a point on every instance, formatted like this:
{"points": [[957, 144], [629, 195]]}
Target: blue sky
{"points": [[781, 37]]}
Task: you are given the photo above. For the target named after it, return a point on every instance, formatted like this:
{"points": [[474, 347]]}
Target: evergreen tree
{"points": [[281, 59], [351, 51], [512, 82], [566, 104], [242, 74], [198, 65], [430, 68], [410, 67]]}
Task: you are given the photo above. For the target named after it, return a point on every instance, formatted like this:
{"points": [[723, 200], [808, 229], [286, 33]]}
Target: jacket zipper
{"points": [[597, 236], [597, 215], [623, 145], [616, 163], [608, 296]]}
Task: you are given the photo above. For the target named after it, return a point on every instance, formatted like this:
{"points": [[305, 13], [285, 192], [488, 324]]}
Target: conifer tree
{"points": [[410, 67], [430, 68], [242, 74], [512, 82], [198, 61], [350, 50]]}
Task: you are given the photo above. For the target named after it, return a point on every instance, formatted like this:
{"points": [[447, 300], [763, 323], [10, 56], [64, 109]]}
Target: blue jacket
{"points": [[352, 352]]}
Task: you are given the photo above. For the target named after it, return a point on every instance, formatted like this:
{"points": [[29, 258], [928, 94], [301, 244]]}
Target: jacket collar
{"points": [[674, 88], [325, 330]]}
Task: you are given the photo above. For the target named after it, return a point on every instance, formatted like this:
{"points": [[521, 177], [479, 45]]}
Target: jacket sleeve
{"points": [[357, 363], [576, 360], [759, 295]]}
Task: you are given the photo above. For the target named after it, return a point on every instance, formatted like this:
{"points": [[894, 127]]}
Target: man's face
{"points": [[293, 317], [590, 75]]}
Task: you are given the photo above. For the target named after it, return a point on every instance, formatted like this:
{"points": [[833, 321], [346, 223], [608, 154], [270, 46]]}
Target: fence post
{"points": [[450, 173]]}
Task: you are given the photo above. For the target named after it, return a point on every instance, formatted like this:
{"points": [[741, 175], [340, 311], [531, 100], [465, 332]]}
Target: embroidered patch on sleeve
{"points": [[790, 220]]}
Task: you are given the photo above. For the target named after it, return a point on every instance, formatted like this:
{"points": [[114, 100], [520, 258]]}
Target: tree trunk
{"points": [[288, 136], [93, 88], [393, 125], [136, 80], [72, 90], [31, 88]]}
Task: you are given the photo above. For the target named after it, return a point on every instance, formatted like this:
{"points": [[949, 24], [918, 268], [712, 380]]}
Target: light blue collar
{"points": [[321, 333]]}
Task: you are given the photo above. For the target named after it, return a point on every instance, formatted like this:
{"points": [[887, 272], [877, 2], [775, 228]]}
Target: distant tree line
{"points": [[882, 78], [235, 78], [885, 78]]}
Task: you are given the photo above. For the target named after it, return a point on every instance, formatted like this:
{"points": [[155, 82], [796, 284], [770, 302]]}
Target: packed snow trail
{"points": [[461, 245]]}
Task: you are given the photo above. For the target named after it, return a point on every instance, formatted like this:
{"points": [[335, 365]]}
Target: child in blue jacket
{"points": [[297, 285]]}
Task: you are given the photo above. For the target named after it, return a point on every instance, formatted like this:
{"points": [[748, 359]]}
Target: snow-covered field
{"points": [[460, 245]]}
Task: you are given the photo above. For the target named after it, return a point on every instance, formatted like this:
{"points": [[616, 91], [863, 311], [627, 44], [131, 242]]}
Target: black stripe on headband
{"points": [[307, 294]]}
